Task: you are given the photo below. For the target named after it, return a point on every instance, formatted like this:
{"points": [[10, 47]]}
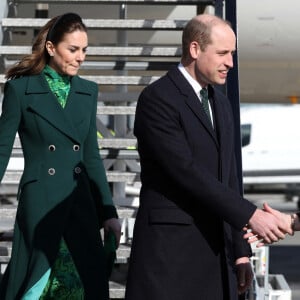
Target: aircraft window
{"points": [[245, 134]]}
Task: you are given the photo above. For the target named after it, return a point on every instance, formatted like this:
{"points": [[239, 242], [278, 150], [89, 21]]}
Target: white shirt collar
{"points": [[194, 83]]}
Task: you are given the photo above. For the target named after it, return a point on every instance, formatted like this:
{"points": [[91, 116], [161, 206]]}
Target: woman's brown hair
{"points": [[54, 31]]}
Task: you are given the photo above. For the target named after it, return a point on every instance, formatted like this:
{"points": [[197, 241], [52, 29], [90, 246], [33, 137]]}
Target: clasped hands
{"points": [[267, 226]]}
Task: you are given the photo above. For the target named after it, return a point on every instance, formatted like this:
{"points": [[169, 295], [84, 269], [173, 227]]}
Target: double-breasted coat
{"points": [[63, 189], [188, 230]]}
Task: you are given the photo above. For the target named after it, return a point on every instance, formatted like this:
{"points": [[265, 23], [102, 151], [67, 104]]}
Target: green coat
{"points": [[62, 178]]}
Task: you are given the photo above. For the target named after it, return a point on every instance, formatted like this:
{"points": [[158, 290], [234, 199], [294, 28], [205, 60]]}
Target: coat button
{"points": [[76, 147], [77, 170], [51, 171], [52, 148]]}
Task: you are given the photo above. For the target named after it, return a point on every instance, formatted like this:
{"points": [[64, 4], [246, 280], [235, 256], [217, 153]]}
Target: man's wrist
{"points": [[295, 221], [242, 260]]}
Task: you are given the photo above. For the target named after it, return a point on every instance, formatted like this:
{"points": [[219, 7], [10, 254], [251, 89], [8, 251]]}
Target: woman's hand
{"points": [[113, 225]]}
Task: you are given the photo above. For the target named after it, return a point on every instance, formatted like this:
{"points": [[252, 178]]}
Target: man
{"points": [[188, 238]]}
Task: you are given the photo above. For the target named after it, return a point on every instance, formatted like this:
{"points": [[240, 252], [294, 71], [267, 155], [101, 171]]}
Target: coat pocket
{"points": [[169, 216], [29, 175]]}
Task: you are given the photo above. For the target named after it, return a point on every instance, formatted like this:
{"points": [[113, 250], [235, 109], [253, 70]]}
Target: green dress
{"points": [[64, 281]]}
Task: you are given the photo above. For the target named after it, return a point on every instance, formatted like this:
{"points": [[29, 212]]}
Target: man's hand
{"points": [[270, 226], [285, 226], [244, 274]]}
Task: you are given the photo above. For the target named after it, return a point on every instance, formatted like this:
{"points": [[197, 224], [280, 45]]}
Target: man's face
{"points": [[213, 64]]}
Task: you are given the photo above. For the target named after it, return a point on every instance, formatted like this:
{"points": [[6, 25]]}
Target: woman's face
{"points": [[67, 56]]}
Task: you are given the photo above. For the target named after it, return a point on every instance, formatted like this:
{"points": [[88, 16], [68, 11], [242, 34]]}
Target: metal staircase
{"points": [[132, 43]]}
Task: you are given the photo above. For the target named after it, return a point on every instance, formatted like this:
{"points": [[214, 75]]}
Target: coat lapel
{"points": [[223, 131], [192, 100], [45, 104], [80, 102]]}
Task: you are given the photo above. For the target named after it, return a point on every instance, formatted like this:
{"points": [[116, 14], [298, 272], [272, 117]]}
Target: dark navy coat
{"points": [[188, 230]]}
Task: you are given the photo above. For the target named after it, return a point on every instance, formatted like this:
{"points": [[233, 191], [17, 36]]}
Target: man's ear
{"points": [[194, 49]]}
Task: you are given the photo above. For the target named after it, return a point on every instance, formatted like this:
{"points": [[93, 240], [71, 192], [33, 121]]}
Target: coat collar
{"points": [[44, 103], [192, 99], [222, 113], [37, 84]]}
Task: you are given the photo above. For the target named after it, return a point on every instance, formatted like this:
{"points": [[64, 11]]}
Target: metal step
{"points": [[115, 110], [123, 252], [116, 290], [13, 177], [129, 51], [127, 24], [116, 65], [8, 215], [111, 143], [112, 80], [149, 2], [127, 154]]}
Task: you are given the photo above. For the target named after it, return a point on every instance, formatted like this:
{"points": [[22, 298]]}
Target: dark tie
{"points": [[204, 99]]}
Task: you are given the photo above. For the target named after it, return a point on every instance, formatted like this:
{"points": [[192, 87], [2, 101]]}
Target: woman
{"points": [[64, 197]]}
